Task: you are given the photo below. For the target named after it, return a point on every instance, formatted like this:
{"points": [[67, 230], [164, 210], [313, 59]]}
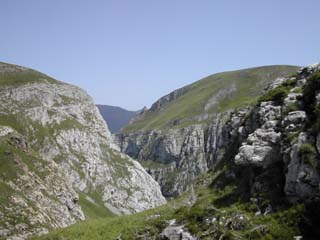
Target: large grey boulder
{"points": [[261, 147], [302, 178], [283, 144], [296, 117], [176, 232]]}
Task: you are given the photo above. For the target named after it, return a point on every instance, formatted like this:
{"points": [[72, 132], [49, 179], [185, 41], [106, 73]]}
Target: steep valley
{"points": [[265, 184], [236, 154], [182, 135]]}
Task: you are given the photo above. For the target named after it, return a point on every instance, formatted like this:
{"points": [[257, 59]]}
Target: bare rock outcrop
{"points": [[59, 127]]}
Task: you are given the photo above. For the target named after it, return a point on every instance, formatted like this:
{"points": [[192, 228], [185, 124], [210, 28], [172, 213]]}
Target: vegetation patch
{"points": [[308, 153], [92, 207], [276, 95], [217, 214], [291, 107], [311, 89], [153, 165], [24, 77], [307, 148], [248, 85]]}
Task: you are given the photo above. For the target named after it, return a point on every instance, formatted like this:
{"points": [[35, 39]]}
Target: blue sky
{"points": [[129, 53]]}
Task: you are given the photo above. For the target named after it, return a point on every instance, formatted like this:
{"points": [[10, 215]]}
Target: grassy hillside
{"points": [[13, 75], [215, 93], [233, 219]]}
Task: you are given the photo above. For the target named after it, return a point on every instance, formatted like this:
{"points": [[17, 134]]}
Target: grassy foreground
{"points": [[216, 214]]}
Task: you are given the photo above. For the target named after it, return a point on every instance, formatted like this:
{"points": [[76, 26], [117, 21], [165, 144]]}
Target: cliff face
{"points": [[175, 157], [282, 150], [175, 152], [276, 143], [59, 157]]}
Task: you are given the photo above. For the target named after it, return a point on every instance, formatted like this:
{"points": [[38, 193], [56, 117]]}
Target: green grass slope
{"points": [[235, 219], [213, 94], [13, 75]]}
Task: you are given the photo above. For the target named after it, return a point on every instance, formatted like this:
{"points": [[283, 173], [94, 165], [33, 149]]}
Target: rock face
{"points": [[274, 144], [284, 142], [177, 156], [172, 152], [54, 137], [261, 147], [176, 232], [184, 133]]}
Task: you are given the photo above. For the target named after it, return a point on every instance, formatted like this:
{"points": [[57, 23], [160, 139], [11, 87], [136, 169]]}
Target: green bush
{"points": [[311, 160], [316, 120], [309, 91], [292, 107], [277, 95], [308, 153], [309, 100], [307, 148], [291, 82], [291, 136]]}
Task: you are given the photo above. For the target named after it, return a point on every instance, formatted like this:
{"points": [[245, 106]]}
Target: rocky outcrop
{"points": [[59, 126], [177, 155], [36, 194], [274, 144], [188, 131], [176, 232], [261, 147], [285, 139]]}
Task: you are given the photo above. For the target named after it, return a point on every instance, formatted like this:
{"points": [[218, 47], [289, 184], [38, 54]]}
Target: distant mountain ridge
{"points": [[116, 117]]}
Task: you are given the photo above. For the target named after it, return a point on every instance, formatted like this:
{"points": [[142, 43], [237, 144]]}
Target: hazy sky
{"points": [[131, 52]]}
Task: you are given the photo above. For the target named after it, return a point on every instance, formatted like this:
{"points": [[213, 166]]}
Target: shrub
{"points": [[309, 91], [311, 160], [316, 120], [292, 107], [308, 153], [309, 100], [298, 90], [291, 82], [291, 136], [277, 95], [307, 148]]}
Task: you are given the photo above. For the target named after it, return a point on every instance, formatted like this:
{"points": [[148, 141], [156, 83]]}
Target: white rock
{"points": [[4, 131], [66, 129]]}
